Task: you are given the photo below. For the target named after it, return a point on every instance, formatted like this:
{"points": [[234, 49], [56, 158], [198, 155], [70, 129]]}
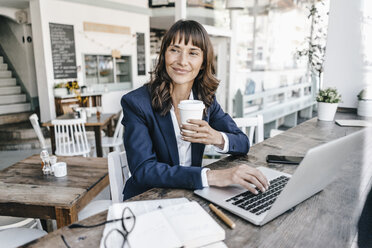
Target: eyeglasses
{"points": [[128, 221]]}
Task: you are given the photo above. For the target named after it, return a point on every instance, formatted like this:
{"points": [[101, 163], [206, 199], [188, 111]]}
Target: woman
{"points": [[159, 152]]}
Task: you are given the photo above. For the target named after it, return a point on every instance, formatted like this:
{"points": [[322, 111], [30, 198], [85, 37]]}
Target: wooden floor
{"points": [[11, 157]]}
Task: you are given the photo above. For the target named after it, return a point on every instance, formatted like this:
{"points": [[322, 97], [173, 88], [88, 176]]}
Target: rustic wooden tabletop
{"points": [[26, 192], [328, 219]]}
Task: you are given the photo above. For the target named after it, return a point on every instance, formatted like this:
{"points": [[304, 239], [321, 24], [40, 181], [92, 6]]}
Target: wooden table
{"points": [[328, 219], [26, 192], [97, 124]]}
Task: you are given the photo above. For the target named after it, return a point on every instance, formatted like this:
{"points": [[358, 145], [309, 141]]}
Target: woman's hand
{"points": [[201, 133], [241, 174]]}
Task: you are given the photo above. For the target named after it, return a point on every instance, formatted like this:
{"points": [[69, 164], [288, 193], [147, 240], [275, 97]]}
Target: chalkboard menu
{"points": [[141, 57], [63, 50]]}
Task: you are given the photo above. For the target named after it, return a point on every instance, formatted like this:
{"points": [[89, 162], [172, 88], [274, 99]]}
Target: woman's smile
{"points": [[180, 71]]}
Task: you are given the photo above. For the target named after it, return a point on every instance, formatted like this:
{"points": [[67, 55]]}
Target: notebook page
{"points": [[215, 245], [150, 230], [193, 225], [138, 208], [142, 207], [153, 230]]}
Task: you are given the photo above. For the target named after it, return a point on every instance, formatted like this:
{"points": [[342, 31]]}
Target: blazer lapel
{"points": [[167, 130], [197, 149]]}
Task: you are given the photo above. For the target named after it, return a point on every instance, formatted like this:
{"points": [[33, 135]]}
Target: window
{"points": [[269, 36], [104, 69]]}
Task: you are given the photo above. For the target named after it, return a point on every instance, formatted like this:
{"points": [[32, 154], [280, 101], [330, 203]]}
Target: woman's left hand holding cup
{"points": [[201, 132]]}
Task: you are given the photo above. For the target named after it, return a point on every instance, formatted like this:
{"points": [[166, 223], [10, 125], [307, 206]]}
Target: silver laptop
{"points": [[318, 168]]}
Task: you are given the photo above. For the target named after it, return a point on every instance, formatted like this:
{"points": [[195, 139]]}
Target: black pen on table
{"points": [[222, 216]]}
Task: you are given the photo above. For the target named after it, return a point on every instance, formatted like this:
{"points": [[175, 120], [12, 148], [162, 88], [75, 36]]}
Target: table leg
{"points": [[65, 217], [52, 139], [97, 133], [110, 133]]}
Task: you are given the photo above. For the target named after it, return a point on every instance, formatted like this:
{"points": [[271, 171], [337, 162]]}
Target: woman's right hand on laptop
{"points": [[243, 175]]}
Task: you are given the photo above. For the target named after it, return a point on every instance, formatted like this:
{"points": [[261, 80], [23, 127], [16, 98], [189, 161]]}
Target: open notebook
{"points": [[178, 223]]}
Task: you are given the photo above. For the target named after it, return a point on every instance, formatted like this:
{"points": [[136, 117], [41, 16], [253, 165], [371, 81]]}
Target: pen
{"points": [[222, 216]]}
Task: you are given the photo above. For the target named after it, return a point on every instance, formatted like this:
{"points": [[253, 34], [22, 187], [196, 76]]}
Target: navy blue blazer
{"points": [[151, 145]]}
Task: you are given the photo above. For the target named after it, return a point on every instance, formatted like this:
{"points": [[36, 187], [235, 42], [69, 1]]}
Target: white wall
{"points": [[111, 101], [43, 60], [343, 67], [30, 61], [8, 12], [20, 53], [139, 3], [75, 14]]}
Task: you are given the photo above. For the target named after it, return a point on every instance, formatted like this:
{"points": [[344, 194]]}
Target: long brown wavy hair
{"points": [[205, 83]]}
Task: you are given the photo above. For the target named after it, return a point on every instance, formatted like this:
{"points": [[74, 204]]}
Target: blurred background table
{"points": [[26, 192]]}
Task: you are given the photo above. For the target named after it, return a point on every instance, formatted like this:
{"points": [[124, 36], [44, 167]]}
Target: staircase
{"points": [[20, 136], [16, 132], [11, 98]]}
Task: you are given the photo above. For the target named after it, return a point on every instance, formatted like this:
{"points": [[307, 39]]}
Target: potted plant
{"points": [[60, 89], [328, 100], [315, 45], [365, 102], [74, 88]]}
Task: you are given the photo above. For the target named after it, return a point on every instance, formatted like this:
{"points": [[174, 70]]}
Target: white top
{"points": [[184, 147]]}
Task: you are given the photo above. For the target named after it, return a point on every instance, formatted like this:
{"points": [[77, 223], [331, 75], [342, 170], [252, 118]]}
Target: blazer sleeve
{"points": [[146, 170], [220, 121]]}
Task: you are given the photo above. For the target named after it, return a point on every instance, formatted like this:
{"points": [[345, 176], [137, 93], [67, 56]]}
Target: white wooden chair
{"points": [[34, 119], [15, 237], [252, 126], [7, 222], [118, 174], [117, 140], [71, 138]]}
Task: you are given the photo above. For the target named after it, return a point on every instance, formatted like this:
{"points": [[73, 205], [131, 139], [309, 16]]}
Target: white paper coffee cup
{"points": [[191, 109], [88, 111], [60, 169]]}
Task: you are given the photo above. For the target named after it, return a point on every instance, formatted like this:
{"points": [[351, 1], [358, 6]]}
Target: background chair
{"points": [[252, 126], [34, 119], [15, 237], [71, 138], [117, 140], [118, 174], [7, 222], [91, 136]]}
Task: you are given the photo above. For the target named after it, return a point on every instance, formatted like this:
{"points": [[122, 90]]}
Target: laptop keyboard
{"points": [[260, 203]]}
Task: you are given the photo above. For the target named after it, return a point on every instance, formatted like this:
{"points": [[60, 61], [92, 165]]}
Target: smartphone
{"points": [[283, 159]]}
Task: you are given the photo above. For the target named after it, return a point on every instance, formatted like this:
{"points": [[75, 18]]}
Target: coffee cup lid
{"points": [[191, 104]]}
